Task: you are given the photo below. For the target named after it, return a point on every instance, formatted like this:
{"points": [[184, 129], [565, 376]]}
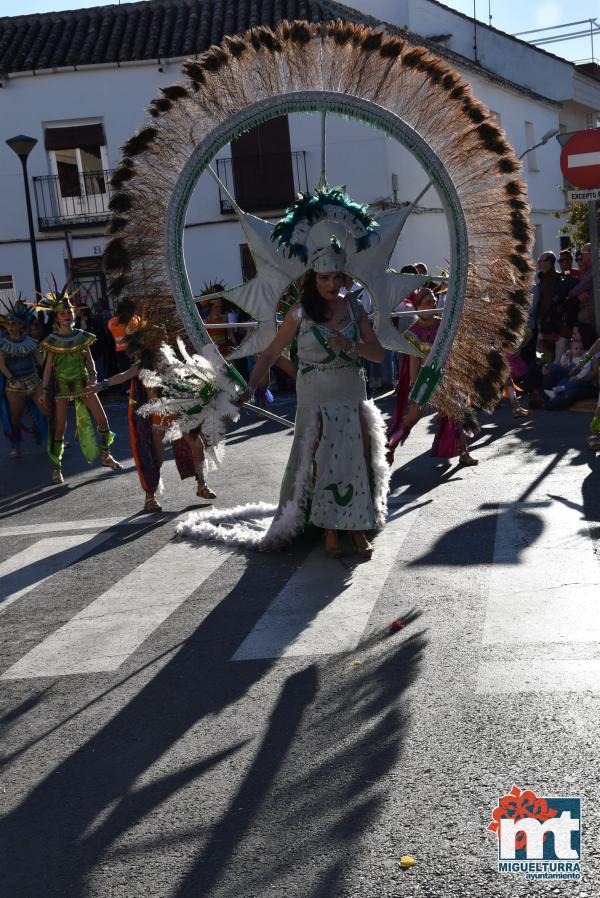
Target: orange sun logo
{"points": [[517, 805]]}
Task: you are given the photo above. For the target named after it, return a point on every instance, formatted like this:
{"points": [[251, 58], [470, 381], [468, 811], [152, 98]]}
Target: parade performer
{"points": [[336, 476], [20, 384], [399, 89], [179, 391], [450, 438], [68, 371], [424, 329]]}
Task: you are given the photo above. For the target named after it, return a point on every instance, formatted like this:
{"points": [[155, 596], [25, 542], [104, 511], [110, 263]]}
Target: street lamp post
{"points": [[22, 146]]}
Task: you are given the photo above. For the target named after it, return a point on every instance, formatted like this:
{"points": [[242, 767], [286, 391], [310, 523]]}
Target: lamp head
{"points": [[549, 134], [21, 145]]}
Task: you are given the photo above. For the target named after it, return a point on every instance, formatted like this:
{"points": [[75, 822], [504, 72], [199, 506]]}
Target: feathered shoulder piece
{"points": [[333, 203], [76, 341]]}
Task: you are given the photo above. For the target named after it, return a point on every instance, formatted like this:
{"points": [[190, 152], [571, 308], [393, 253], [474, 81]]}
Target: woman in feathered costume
{"points": [[69, 369], [410, 95], [20, 384], [328, 480], [162, 406]]}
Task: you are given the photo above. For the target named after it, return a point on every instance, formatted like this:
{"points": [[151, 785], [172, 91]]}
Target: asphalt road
{"points": [[142, 760]]}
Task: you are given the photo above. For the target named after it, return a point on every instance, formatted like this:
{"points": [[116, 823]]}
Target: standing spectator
{"points": [[565, 310], [548, 279], [565, 263], [584, 288]]}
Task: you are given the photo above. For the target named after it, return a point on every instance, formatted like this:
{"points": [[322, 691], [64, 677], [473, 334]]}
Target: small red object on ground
{"points": [[397, 624]]}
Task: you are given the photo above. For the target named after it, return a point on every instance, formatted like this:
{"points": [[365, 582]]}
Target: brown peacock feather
{"points": [[408, 80]]}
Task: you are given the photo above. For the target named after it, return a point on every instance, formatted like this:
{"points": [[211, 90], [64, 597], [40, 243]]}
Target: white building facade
{"points": [[83, 110]]}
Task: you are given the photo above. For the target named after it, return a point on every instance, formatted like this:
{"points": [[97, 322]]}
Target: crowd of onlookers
{"points": [[561, 348], [556, 365], [550, 369]]}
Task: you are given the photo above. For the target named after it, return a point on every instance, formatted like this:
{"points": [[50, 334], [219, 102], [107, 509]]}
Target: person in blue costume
{"points": [[20, 383]]}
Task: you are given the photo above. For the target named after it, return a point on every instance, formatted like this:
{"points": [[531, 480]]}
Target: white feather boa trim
{"points": [[245, 525], [182, 384]]}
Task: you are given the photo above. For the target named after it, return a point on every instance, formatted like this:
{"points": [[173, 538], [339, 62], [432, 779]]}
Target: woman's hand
{"points": [[339, 343], [245, 396]]}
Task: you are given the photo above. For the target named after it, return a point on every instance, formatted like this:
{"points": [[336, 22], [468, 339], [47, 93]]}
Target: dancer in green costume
{"points": [[69, 370]]}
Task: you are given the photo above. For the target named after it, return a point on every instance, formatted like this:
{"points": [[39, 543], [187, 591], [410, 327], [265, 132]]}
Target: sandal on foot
{"points": [[151, 505], [57, 476], [519, 412], [204, 491], [332, 545], [109, 462], [467, 460], [362, 546]]}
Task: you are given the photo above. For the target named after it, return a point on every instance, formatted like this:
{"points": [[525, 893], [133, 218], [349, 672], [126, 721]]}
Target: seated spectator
{"points": [[578, 386], [583, 380], [553, 373]]}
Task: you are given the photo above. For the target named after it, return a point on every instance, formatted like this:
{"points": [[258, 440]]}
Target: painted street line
{"points": [[103, 635], [544, 589], [539, 675], [325, 606], [57, 527], [22, 572]]}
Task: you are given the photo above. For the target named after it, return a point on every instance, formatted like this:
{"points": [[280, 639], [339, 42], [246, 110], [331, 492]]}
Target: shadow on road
{"points": [[316, 775]]}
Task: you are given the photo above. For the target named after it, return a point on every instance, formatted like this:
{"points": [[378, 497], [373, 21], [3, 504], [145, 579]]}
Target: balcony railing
{"points": [[76, 200], [262, 182]]}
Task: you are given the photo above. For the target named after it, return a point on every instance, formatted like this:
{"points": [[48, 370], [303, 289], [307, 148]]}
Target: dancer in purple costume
{"points": [[450, 439]]}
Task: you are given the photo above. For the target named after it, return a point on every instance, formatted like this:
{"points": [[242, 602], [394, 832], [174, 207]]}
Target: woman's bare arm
{"points": [[4, 367], [267, 359]]}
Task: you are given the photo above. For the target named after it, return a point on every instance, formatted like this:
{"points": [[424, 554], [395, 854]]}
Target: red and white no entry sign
{"points": [[580, 159]]}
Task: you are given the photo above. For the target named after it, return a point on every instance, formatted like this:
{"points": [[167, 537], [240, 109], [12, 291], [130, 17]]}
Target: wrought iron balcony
{"points": [[72, 200], [262, 182]]}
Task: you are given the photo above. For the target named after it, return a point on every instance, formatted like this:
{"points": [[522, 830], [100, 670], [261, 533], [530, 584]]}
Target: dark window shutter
{"points": [[76, 136], [262, 167]]}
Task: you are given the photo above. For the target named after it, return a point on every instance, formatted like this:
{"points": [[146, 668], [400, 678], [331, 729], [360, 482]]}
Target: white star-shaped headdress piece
{"points": [[326, 231]]}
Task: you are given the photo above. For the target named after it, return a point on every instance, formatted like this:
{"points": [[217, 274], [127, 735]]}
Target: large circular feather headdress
{"points": [[397, 87]]}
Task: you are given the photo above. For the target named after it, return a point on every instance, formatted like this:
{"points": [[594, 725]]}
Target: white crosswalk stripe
{"points": [[103, 635], [544, 591], [63, 526], [28, 569], [325, 606]]}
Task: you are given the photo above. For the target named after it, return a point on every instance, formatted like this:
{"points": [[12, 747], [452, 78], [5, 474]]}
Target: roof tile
{"points": [[138, 31]]}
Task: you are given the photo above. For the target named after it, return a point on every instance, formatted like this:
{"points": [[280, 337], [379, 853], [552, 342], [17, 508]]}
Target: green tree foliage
{"points": [[578, 223]]}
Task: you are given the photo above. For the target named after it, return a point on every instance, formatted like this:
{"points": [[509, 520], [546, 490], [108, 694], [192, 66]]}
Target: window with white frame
{"points": [[78, 159]]}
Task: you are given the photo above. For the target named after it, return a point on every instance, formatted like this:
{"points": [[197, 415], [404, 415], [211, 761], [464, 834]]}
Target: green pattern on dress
{"points": [[341, 500]]}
